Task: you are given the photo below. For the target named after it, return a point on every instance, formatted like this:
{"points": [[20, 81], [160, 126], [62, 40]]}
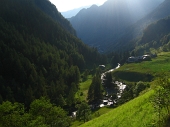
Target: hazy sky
{"points": [[65, 5]]}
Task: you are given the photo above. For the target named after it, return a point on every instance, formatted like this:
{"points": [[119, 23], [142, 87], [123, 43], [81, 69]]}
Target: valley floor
{"points": [[138, 112]]}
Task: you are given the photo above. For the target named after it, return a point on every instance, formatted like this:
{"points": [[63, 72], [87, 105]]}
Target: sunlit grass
{"points": [[76, 123], [140, 71], [136, 113], [83, 88], [100, 111]]}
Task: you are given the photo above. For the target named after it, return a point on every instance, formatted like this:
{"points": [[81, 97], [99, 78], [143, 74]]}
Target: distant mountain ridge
{"points": [[102, 26], [137, 29], [71, 13], [156, 38]]}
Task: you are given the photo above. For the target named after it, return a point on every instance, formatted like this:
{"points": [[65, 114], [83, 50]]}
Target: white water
{"points": [[104, 74], [120, 85]]}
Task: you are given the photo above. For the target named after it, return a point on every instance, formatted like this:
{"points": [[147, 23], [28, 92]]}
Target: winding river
{"points": [[120, 86]]}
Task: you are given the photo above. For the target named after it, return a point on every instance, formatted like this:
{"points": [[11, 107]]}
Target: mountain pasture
{"points": [[138, 112], [145, 71]]}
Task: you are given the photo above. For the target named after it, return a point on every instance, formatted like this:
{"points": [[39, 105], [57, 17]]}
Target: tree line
{"points": [[38, 57], [41, 113]]}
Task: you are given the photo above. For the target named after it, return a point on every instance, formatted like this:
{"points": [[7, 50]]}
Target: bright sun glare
{"points": [[65, 5]]}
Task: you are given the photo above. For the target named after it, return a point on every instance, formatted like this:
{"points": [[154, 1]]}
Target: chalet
{"points": [[105, 102], [146, 57], [132, 59]]}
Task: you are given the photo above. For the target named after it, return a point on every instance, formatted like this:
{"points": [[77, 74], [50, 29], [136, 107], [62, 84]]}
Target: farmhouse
{"points": [[146, 57], [133, 59]]}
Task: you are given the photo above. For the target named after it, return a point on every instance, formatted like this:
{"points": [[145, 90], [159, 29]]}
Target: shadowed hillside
{"points": [[136, 30], [102, 26], [38, 57], [52, 11]]}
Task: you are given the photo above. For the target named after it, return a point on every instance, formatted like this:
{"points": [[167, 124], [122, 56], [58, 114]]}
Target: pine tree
{"points": [[95, 90]]}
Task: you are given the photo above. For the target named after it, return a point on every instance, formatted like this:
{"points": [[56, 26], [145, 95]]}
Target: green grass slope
{"points": [[136, 113], [83, 89], [145, 71]]}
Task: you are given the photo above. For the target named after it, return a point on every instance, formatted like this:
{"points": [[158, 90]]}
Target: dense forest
{"points": [[156, 38], [40, 114], [38, 57]]}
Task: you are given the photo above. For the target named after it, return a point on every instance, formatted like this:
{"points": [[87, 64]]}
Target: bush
{"points": [[140, 86]]}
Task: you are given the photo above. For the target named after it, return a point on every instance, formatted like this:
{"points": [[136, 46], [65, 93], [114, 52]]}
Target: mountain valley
{"points": [[105, 26], [53, 68]]}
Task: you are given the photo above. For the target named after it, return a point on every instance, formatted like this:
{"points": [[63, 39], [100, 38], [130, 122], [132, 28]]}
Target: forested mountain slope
{"points": [[156, 38], [51, 10], [38, 57], [136, 30], [102, 26]]}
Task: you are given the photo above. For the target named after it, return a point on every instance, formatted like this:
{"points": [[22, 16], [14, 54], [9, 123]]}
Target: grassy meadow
{"points": [[83, 89], [82, 95], [97, 113], [145, 71], [138, 112]]}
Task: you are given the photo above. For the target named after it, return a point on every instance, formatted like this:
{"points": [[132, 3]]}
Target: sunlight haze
{"points": [[66, 5]]}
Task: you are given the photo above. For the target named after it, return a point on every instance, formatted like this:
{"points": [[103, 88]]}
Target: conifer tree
{"points": [[95, 90]]}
